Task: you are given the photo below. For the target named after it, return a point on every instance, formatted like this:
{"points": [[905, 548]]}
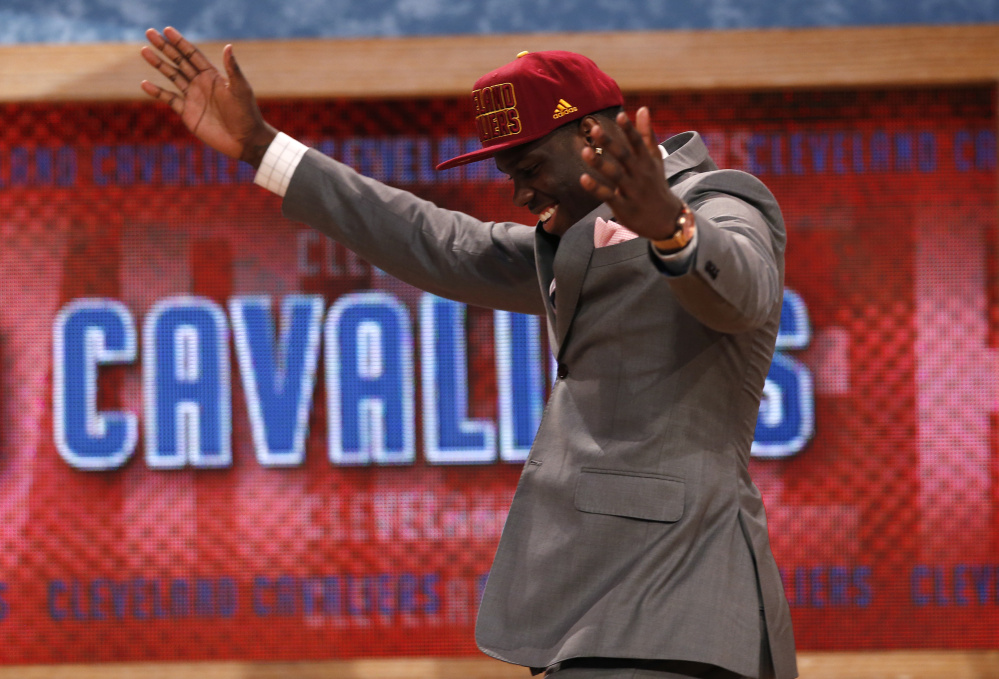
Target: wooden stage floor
{"points": [[868, 665]]}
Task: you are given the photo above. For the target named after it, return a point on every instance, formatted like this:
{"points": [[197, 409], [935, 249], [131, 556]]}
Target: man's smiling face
{"points": [[545, 175]]}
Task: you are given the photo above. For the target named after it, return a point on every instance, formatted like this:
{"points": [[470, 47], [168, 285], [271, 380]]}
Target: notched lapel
{"points": [[572, 261], [545, 247], [566, 261]]}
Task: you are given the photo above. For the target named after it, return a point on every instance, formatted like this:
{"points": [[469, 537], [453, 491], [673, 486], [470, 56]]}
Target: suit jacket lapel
{"points": [[565, 260], [571, 263], [545, 247]]}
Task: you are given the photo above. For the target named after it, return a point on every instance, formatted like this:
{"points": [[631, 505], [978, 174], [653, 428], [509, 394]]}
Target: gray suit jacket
{"points": [[635, 531]]}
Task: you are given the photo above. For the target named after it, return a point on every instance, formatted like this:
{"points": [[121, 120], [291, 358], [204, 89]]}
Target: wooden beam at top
{"points": [[447, 66]]}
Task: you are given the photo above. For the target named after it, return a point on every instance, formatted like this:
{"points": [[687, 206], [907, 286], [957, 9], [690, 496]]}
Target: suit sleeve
{"points": [[447, 253], [737, 276]]}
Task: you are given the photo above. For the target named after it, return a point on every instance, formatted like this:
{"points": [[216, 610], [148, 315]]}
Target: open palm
{"points": [[219, 110]]}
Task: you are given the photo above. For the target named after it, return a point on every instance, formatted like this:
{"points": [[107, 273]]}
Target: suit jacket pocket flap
{"points": [[638, 496]]}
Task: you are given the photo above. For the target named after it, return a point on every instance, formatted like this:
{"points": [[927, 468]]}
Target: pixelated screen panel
{"points": [[225, 436]]}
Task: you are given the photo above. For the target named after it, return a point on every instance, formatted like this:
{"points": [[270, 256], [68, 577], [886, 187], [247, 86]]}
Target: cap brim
{"points": [[466, 158], [486, 152]]}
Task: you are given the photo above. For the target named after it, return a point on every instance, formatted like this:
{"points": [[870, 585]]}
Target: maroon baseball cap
{"points": [[531, 96]]}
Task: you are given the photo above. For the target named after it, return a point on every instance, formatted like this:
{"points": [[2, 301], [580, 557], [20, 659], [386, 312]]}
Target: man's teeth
{"points": [[547, 214]]}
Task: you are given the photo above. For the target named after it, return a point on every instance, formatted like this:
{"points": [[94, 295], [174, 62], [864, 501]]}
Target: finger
{"points": [[190, 52], [631, 133], [608, 181], [643, 122], [168, 70], [169, 98], [604, 164], [600, 190], [617, 157], [642, 141], [171, 52], [616, 195], [155, 38]]}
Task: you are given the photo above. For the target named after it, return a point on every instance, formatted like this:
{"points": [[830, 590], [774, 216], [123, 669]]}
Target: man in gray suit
{"points": [[636, 544]]}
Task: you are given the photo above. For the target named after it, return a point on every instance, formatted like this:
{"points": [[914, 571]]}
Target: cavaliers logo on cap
{"points": [[496, 114]]}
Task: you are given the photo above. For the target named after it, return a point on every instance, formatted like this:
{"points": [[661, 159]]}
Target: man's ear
{"points": [[586, 125]]}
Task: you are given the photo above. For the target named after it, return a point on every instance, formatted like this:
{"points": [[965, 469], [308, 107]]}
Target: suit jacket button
{"points": [[563, 371]]}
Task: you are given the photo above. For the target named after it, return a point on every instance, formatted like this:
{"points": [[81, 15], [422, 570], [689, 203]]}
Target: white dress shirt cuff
{"points": [[280, 161]]}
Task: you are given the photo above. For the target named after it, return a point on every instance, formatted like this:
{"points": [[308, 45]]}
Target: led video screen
{"points": [[224, 436]]}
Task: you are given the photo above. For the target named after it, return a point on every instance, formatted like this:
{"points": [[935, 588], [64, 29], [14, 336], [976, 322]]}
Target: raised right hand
{"points": [[220, 111]]}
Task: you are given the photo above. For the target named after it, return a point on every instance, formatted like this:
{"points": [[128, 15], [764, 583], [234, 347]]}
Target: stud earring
{"points": [[599, 151]]}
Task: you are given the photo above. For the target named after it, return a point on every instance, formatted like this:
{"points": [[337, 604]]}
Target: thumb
{"points": [[237, 81]]}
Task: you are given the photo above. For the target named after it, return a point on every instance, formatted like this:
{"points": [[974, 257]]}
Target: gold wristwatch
{"points": [[685, 225]]}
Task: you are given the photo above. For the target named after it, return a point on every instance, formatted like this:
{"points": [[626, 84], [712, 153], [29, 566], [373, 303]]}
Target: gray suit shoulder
{"points": [[701, 187]]}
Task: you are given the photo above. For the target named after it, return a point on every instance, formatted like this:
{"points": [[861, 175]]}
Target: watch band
{"points": [[685, 225]]}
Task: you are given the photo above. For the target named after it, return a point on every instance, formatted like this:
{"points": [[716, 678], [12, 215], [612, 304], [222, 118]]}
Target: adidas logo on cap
{"points": [[564, 108]]}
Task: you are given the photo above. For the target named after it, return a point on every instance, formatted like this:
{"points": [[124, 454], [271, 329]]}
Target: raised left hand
{"points": [[628, 176], [218, 109]]}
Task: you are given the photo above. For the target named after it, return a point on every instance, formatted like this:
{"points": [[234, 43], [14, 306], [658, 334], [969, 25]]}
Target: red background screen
{"points": [[885, 525]]}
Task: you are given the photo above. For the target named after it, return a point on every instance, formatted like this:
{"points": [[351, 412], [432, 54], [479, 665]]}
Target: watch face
{"points": [[686, 217]]}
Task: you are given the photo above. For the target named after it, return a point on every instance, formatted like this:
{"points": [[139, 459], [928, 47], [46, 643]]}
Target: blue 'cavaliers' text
{"points": [[368, 343]]}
